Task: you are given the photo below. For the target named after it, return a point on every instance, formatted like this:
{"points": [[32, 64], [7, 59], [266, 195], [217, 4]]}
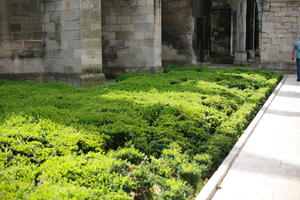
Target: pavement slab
{"points": [[268, 167]]}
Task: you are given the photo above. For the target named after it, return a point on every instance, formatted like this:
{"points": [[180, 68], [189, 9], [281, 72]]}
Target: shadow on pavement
{"points": [[268, 166], [283, 113]]}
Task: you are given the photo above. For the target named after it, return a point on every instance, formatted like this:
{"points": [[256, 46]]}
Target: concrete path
{"points": [[268, 167]]}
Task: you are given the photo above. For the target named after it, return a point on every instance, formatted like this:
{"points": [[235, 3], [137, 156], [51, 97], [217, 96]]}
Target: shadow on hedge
{"points": [[204, 114]]}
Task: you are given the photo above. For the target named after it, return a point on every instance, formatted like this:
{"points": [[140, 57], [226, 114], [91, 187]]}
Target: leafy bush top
{"points": [[144, 137]]}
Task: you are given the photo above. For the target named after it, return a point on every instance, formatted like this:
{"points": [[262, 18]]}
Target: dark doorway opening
{"points": [[221, 34], [214, 32], [202, 31], [252, 31]]}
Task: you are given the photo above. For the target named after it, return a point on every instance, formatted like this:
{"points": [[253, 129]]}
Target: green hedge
{"points": [[144, 137]]}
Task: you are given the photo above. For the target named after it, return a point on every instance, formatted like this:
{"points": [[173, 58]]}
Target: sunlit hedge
{"points": [[144, 137]]}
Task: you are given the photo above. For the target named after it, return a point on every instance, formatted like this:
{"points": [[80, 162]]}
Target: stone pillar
{"points": [[240, 53], [62, 39], [91, 42], [73, 42], [259, 10], [156, 60]]}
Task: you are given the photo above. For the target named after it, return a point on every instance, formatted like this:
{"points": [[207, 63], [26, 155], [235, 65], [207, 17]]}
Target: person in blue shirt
{"points": [[296, 52]]}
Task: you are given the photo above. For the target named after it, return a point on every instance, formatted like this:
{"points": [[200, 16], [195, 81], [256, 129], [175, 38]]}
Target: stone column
{"points": [[91, 42], [156, 62], [259, 10], [240, 53], [73, 50]]}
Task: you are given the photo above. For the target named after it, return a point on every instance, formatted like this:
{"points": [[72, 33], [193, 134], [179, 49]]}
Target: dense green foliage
{"points": [[144, 137]]}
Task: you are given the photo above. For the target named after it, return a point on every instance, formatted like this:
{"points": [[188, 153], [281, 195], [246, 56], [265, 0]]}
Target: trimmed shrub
{"points": [[145, 137]]}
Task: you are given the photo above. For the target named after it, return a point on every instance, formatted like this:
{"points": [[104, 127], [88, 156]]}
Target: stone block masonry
{"points": [[21, 36], [79, 40], [53, 40], [131, 36], [178, 32], [62, 37], [73, 39], [280, 29]]}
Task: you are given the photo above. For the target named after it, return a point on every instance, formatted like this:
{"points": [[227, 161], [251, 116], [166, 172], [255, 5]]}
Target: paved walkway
{"points": [[268, 167]]}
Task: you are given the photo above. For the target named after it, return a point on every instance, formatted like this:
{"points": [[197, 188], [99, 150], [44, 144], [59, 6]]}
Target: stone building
{"points": [[84, 41]]}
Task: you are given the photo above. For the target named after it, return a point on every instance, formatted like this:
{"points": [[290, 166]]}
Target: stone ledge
{"points": [[74, 79], [213, 183]]}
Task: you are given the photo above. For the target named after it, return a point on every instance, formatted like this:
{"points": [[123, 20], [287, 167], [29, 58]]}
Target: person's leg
{"points": [[298, 69]]}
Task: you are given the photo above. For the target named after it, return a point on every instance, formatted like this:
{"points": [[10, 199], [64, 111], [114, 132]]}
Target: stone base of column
{"points": [[89, 80], [115, 71], [240, 58]]}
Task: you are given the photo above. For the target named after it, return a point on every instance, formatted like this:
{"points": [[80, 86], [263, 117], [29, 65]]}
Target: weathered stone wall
{"points": [[131, 36], [62, 39], [91, 36], [73, 36], [178, 32], [280, 28], [21, 36], [62, 36], [53, 40]]}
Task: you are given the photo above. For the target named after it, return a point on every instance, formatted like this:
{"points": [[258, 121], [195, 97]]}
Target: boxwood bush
{"points": [[144, 137]]}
